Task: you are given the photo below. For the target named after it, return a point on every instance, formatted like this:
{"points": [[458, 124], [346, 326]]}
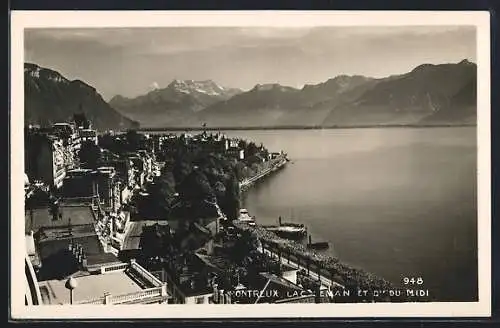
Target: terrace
{"points": [[120, 283], [67, 215]]}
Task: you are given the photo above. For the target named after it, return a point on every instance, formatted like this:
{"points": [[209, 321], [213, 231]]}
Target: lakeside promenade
{"points": [[275, 164], [326, 269], [286, 259]]}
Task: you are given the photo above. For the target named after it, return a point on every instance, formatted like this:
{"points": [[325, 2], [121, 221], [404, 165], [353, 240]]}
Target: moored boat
{"points": [[319, 245], [245, 217], [288, 230]]}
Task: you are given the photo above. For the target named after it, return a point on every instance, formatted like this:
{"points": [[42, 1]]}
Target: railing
{"points": [[145, 274], [114, 267], [137, 296], [33, 291], [272, 166], [100, 300], [113, 250], [301, 263], [126, 298]]}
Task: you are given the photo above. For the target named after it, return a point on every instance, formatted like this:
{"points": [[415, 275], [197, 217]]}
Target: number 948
{"points": [[413, 280]]}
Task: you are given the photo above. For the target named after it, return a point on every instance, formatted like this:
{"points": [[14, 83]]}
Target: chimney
{"points": [[310, 240], [216, 290], [220, 297], [84, 262]]}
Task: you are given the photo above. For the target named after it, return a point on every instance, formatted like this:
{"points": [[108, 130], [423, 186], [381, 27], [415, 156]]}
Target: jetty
{"points": [[321, 245], [274, 165]]}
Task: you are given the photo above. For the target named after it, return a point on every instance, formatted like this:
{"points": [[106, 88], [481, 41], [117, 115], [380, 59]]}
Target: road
{"points": [[324, 281]]}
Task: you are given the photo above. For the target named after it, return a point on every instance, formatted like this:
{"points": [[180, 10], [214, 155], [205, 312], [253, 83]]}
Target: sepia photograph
{"points": [[279, 164]]}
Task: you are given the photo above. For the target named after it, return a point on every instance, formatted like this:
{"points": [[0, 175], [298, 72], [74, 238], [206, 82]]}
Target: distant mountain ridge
{"points": [[50, 97], [428, 94]]}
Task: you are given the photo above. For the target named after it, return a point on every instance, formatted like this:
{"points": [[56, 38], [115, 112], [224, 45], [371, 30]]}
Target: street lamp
{"points": [[71, 284]]}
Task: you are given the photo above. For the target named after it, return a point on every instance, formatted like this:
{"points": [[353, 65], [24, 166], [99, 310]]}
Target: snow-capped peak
{"points": [[190, 86]]}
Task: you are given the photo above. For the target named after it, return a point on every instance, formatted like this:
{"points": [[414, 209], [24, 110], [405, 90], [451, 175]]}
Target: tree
{"points": [[251, 149], [230, 202], [155, 240], [196, 187], [246, 244]]}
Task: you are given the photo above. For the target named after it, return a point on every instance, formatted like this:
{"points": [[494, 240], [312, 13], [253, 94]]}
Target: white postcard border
{"points": [[59, 19]]}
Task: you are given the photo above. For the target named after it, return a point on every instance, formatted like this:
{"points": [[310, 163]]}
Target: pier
{"points": [[274, 165]]}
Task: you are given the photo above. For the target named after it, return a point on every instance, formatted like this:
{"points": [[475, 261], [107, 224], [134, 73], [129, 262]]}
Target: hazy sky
{"points": [[132, 61]]}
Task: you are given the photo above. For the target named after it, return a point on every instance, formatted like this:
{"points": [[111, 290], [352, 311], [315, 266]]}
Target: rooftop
{"points": [[58, 261], [68, 215], [279, 281], [88, 287], [88, 133], [90, 245], [220, 263], [79, 171]]}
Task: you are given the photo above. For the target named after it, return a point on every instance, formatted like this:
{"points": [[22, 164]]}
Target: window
{"points": [[200, 300]]}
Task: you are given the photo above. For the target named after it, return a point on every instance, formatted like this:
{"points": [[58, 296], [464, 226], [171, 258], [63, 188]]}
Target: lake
{"points": [[398, 202]]}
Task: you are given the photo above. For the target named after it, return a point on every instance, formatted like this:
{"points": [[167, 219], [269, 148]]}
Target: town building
{"points": [[102, 183], [63, 241], [50, 152], [108, 188], [45, 159], [88, 135], [236, 153], [71, 140]]}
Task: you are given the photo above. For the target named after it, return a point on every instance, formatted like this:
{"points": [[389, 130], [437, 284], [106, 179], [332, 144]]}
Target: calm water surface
{"points": [[396, 202]]}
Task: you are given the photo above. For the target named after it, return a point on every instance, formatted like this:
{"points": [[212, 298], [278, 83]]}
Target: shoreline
{"points": [[339, 272], [299, 127], [349, 275]]}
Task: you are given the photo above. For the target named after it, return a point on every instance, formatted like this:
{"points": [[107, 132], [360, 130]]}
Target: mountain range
{"points": [[427, 95], [49, 97]]}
